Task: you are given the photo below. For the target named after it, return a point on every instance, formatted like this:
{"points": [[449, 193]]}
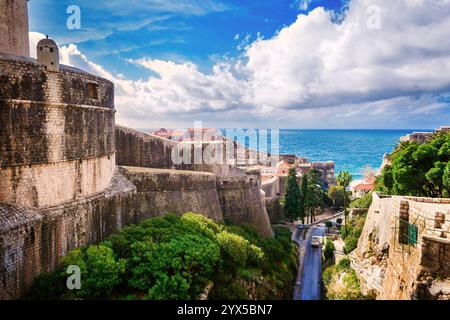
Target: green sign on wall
{"points": [[413, 231]]}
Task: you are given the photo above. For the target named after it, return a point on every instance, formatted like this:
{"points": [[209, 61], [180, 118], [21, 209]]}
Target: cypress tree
{"points": [[304, 196], [292, 197]]}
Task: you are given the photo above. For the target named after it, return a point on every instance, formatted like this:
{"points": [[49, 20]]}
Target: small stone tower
{"points": [[48, 54], [14, 37]]}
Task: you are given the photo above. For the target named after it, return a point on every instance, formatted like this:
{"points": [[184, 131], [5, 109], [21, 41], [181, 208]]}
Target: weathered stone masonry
{"points": [[55, 145], [393, 263]]}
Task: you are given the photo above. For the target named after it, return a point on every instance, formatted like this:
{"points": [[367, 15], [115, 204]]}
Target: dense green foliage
{"points": [[351, 232], [328, 253], [419, 169], [313, 193], [301, 202], [344, 179], [304, 194], [336, 194], [363, 202], [293, 196], [175, 257]]}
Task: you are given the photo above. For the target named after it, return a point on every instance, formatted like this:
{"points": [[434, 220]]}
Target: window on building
{"points": [[93, 90]]}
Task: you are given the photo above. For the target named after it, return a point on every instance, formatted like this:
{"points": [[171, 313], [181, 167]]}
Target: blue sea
{"points": [[351, 150]]}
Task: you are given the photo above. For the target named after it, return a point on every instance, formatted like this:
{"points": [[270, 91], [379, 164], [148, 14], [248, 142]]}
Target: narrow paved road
{"points": [[312, 267], [309, 274]]}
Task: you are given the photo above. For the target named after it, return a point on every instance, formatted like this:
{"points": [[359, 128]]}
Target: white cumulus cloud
{"points": [[308, 68]]}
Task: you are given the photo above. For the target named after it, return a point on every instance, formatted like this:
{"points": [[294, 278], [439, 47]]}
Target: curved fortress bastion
{"points": [[57, 136]]}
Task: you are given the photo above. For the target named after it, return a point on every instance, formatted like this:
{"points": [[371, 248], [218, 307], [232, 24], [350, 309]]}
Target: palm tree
{"points": [[344, 179]]}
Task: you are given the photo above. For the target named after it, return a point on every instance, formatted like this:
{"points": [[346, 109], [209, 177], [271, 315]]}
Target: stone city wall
{"points": [[139, 149], [14, 37], [45, 185], [275, 210], [33, 241], [390, 263], [27, 80], [162, 191], [56, 143], [243, 202]]}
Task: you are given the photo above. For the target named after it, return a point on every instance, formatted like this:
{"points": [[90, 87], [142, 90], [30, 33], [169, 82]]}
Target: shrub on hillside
{"points": [[175, 257], [100, 271], [328, 253], [363, 202]]}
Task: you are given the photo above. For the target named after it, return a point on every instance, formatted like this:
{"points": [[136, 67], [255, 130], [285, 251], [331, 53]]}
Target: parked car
{"points": [[316, 242]]}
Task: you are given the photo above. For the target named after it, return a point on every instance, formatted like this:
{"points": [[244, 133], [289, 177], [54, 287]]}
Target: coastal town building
{"points": [[363, 188], [422, 137], [190, 134]]}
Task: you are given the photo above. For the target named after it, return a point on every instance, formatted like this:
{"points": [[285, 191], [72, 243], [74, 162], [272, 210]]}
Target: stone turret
{"points": [[14, 37], [48, 54]]}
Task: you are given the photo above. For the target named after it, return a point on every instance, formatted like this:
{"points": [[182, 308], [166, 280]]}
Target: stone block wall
{"points": [[27, 80], [57, 143], [275, 210], [138, 149], [33, 241], [390, 266], [162, 191], [14, 27], [43, 185], [274, 187], [243, 202]]}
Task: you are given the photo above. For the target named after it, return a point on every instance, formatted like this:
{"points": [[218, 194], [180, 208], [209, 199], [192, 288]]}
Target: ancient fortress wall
{"points": [[57, 142], [243, 202], [33, 241], [240, 199], [14, 27], [139, 149], [392, 265], [174, 191], [275, 210], [274, 189]]}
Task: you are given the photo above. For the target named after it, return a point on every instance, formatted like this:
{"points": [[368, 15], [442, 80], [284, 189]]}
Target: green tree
{"points": [[344, 179], [292, 197], [313, 200], [182, 267], [419, 169], [100, 272], [328, 253], [336, 194], [304, 196]]}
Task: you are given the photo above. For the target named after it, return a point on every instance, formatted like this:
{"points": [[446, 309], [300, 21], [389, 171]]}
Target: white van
{"points": [[316, 242]]}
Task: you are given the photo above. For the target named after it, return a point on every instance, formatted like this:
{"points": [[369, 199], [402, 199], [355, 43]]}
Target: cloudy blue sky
{"points": [[263, 63]]}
